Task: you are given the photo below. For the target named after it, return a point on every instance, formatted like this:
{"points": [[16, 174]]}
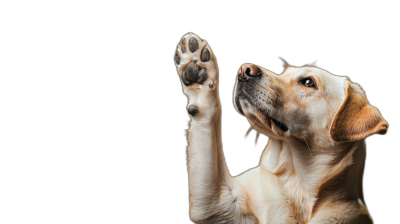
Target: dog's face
{"points": [[304, 102]]}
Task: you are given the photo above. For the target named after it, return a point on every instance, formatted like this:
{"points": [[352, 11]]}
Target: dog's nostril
{"points": [[248, 71]]}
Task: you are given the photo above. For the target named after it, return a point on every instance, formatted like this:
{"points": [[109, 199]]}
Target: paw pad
{"points": [[194, 73], [205, 55], [193, 44], [193, 110], [195, 61]]}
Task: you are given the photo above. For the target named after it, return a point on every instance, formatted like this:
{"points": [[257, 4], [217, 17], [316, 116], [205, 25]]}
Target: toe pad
{"points": [[194, 73]]}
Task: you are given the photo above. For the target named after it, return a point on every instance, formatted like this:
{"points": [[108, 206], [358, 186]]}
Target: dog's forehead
{"points": [[292, 72]]}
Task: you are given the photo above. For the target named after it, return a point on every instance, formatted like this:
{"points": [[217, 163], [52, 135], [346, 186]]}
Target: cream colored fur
{"points": [[288, 186]]}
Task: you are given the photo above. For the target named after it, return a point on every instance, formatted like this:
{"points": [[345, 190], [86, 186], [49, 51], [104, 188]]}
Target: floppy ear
{"points": [[356, 118]]}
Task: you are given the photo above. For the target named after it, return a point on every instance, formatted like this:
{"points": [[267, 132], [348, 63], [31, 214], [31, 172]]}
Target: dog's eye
{"points": [[309, 82]]}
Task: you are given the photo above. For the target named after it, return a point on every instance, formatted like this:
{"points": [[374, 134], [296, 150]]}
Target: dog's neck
{"points": [[302, 172]]}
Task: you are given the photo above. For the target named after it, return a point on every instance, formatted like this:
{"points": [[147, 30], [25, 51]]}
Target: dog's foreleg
{"points": [[212, 189]]}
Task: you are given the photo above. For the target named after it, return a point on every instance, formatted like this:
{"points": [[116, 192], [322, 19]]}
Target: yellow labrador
{"points": [[311, 170]]}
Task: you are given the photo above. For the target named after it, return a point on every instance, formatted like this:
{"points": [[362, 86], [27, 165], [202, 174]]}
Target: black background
{"points": [[132, 115]]}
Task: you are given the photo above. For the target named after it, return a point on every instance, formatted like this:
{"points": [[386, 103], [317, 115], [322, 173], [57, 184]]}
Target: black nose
{"points": [[247, 71]]}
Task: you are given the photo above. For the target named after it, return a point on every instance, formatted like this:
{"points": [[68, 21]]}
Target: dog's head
{"points": [[305, 102]]}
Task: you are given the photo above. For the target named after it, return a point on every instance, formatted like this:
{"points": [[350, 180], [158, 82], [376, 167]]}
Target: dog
{"points": [[312, 168]]}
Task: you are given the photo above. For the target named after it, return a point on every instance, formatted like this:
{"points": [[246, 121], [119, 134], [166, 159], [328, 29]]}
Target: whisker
{"points": [[255, 123], [258, 135], [275, 96], [309, 149], [248, 131], [269, 92], [251, 127], [276, 105]]}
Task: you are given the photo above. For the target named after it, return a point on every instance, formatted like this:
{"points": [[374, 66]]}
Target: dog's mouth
{"points": [[262, 113], [271, 121]]}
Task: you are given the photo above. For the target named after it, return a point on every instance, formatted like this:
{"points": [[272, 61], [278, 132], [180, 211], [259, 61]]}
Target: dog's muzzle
{"points": [[248, 78], [246, 73]]}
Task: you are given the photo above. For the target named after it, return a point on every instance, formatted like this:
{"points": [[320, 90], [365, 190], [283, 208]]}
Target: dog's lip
{"points": [[280, 125], [263, 113], [265, 117], [270, 120]]}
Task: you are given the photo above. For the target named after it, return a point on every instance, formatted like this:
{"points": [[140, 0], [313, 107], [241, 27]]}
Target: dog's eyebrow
{"points": [[300, 73]]}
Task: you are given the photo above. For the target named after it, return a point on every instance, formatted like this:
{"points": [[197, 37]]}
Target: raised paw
{"points": [[195, 62]]}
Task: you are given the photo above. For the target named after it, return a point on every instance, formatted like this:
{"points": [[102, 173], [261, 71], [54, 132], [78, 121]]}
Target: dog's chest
{"points": [[270, 200], [267, 199]]}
